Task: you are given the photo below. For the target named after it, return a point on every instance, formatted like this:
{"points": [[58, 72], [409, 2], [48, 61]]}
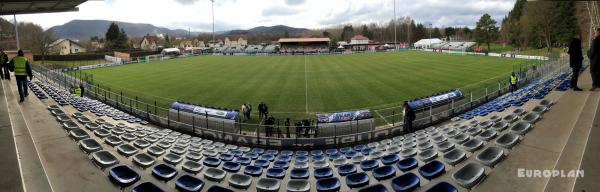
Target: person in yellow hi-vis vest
{"points": [[77, 91], [513, 82], [22, 69]]}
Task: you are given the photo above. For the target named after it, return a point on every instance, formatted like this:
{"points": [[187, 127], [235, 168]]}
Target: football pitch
{"points": [[300, 86]]}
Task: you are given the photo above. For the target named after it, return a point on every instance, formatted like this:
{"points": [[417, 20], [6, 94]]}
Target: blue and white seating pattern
{"points": [[403, 163]]}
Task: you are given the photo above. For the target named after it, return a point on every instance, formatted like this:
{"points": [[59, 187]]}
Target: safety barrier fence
{"points": [[386, 124]]}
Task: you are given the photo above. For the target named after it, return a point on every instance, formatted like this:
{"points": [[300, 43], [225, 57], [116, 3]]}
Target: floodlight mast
{"points": [[212, 5], [395, 41]]}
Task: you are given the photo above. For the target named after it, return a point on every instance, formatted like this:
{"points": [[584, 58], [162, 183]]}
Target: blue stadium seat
{"points": [[287, 153], [281, 164], [323, 172], [366, 151], [276, 173], [407, 164], [316, 152], [443, 187], [357, 180], [318, 158], [331, 151], [407, 182], [301, 158], [226, 157], [286, 158], [272, 152], [258, 150], [346, 169], [262, 163], [188, 183], [335, 156], [383, 173], [267, 157], [301, 153], [350, 154], [346, 149], [218, 188], [244, 160], [251, 155], [146, 187], [123, 176], [368, 165], [331, 184], [390, 159], [254, 171], [164, 172], [374, 188], [231, 167], [432, 169], [299, 174], [211, 162], [359, 147]]}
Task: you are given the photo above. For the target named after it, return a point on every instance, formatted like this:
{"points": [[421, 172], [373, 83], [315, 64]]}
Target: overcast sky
{"points": [[245, 14]]}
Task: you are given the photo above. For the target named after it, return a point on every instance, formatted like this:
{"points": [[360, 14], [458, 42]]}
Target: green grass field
{"points": [[300, 86]]}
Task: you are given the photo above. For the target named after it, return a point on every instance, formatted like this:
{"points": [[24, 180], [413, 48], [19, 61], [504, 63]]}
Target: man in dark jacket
{"points": [[4, 74], [22, 69], [594, 55], [409, 116], [576, 60]]}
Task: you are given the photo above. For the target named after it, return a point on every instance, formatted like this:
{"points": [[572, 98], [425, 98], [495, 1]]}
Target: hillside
{"points": [[84, 29]]}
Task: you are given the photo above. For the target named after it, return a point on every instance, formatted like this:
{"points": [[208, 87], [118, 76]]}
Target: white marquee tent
{"points": [[427, 43]]}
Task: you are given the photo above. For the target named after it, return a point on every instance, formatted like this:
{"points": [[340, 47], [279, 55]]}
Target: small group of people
{"points": [[78, 90], [576, 60], [246, 111], [21, 68], [269, 124]]}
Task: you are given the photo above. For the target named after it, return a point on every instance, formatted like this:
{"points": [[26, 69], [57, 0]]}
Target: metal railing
{"points": [[153, 110]]}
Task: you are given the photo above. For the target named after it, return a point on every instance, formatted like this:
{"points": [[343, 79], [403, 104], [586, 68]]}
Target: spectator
{"points": [[4, 74], [248, 110], [22, 69], [298, 128], [243, 110], [261, 108], [306, 125], [409, 117], [576, 60], [265, 110], [594, 55], [513, 82], [287, 127]]}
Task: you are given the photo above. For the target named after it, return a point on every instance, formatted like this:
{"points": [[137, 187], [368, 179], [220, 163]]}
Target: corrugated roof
{"points": [[303, 40]]}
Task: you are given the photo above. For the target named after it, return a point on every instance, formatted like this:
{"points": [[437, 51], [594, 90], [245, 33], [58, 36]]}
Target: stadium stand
{"points": [[455, 155]]}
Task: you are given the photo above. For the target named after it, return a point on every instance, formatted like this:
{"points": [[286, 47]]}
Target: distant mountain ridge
{"points": [[275, 30], [84, 29]]}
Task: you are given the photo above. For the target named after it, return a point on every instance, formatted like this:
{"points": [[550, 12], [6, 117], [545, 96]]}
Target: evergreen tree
{"points": [[486, 30]]}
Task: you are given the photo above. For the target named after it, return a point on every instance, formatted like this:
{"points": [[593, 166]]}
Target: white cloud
{"points": [[234, 14]]}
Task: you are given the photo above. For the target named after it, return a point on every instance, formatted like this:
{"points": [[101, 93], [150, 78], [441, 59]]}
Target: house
{"points": [[149, 42], [191, 43], [359, 39], [241, 42], [65, 47]]}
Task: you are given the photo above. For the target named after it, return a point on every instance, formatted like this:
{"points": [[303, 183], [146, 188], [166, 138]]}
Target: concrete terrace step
{"points": [[60, 164], [31, 168], [573, 151], [9, 162], [589, 163]]}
